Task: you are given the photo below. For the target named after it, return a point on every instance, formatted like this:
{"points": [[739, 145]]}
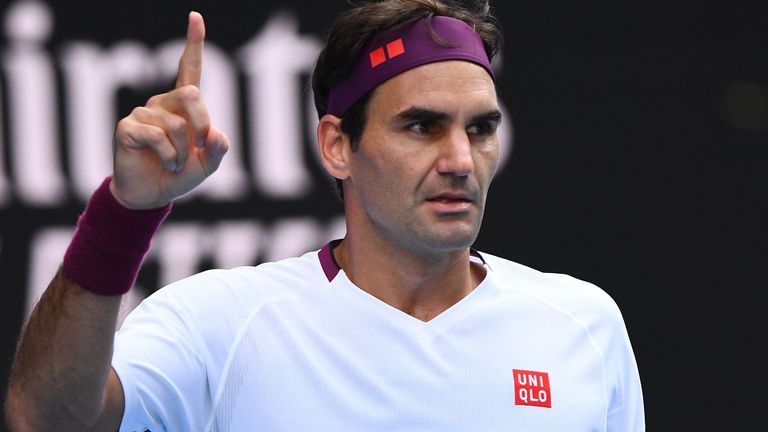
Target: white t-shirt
{"points": [[296, 346]]}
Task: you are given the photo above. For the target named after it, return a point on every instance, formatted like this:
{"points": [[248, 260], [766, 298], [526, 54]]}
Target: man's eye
{"points": [[484, 128], [423, 128]]}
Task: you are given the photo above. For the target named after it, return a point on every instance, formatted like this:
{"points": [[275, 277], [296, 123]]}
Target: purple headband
{"points": [[395, 52]]}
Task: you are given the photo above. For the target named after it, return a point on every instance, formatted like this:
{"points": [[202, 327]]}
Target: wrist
{"points": [[129, 201], [110, 242]]}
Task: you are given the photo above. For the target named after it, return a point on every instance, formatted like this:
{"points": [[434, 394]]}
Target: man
{"points": [[400, 325]]}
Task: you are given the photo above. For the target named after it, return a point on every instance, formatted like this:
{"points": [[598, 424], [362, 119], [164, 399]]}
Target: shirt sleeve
{"points": [[159, 361], [602, 316], [626, 411]]}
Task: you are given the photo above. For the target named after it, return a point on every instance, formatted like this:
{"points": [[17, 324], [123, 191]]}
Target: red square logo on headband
{"points": [[377, 57], [395, 48]]}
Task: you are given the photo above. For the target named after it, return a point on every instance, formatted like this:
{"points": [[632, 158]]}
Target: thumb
{"points": [[216, 146]]}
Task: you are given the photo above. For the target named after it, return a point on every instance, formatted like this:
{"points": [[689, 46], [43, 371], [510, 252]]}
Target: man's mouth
{"points": [[450, 202]]}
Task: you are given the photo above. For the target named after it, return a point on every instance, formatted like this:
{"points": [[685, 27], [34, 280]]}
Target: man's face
{"points": [[426, 158]]}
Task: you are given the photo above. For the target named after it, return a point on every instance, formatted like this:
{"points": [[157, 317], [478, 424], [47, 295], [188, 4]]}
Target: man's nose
{"points": [[456, 155]]}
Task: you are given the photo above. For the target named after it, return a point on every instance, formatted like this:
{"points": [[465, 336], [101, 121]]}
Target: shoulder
{"points": [[557, 290], [236, 293], [211, 307], [579, 302]]}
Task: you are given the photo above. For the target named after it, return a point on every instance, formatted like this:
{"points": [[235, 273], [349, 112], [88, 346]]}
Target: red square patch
{"points": [[377, 57], [532, 388], [395, 48]]}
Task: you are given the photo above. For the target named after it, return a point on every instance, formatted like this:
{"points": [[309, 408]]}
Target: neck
{"points": [[420, 286]]}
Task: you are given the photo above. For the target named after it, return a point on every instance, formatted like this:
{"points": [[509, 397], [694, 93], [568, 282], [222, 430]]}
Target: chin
{"points": [[449, 241]]}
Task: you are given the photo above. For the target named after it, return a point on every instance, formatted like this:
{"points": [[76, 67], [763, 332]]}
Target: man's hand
{"points": [[168, 147]]}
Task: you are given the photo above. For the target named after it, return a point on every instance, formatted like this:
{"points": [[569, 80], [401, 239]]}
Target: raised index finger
{"points": [[191, 62]]}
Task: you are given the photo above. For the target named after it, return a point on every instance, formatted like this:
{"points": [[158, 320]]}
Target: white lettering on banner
{"points": [[179, 249], [91, 78], [31, 96], [273, 62]]}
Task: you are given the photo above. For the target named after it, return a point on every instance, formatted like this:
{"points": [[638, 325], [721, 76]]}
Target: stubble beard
{"points": [[437, 239]]}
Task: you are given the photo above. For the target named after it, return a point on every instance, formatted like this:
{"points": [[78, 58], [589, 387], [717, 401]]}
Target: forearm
{"points": [[60, 372]]}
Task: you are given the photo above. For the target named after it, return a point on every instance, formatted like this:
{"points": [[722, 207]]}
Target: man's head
{"points": [[410, 126], [370, 19]]}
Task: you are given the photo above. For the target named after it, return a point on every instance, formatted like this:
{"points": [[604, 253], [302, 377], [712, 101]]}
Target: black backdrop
{"points": [[638, 163]]}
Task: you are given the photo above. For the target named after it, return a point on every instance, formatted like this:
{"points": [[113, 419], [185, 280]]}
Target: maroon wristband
{"points": [[110, 242]]}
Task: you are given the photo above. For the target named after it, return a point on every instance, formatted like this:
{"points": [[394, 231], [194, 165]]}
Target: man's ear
{"points": [[333, 146]]}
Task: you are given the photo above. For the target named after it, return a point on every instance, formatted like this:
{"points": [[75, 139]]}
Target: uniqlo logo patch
{"points": [[532, 388]]}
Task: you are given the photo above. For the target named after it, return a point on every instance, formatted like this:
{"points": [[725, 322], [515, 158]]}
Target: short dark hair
{"points": [[356, 26]]}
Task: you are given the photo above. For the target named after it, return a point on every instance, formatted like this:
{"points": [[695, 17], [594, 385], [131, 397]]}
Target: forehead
{"points": [[453, 85]]}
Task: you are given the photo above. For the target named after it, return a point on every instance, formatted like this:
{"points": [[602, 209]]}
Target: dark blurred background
{"points": [[637, 161]]}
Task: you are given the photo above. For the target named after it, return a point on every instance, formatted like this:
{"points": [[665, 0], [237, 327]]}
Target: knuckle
{"points": [[155, 135], [123, 124], [189, 92], [165, 152], [177, 125], [140, 112], [123, 128], [154, 100]]}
